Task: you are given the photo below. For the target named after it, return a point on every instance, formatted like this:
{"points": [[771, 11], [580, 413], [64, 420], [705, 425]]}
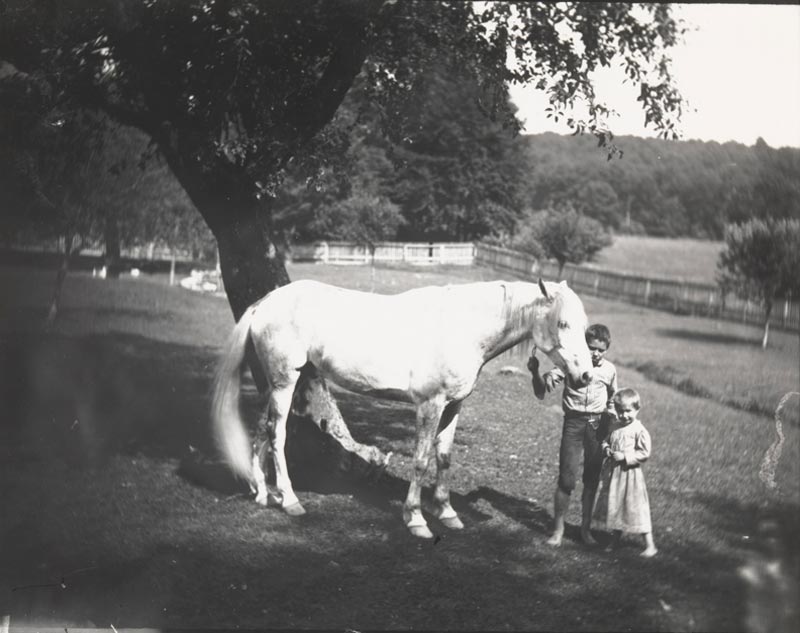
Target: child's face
{"points": [[626, 412], [598, 350]]}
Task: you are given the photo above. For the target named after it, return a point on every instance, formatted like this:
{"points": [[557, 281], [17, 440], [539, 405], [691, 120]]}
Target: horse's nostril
{"points": [[585, 377]]}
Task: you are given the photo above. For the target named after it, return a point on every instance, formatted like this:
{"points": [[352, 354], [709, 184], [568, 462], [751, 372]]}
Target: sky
{"points": [[739, 69]]}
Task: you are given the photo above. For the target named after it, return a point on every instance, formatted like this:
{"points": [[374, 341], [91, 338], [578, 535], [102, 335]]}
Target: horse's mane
{"points": [[521, 300]]}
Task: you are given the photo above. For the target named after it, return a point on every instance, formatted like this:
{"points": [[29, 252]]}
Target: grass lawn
{"points": [[687, 259], [110, 518]]}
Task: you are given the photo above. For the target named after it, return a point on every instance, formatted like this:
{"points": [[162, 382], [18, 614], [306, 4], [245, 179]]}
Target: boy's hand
{"points": [[618, 456]]}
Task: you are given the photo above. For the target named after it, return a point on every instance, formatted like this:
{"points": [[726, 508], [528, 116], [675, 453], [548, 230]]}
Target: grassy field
{"points": [[687, 259], [110, 518]]}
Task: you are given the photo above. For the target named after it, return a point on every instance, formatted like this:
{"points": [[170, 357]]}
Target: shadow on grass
{"points": [[530, 514], [88, 398], [319, 575], [720, 338], [91, 397]]}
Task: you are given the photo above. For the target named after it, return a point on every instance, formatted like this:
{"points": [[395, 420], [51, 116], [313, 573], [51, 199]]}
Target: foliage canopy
{"points": [[761, 261], [234, 91]]}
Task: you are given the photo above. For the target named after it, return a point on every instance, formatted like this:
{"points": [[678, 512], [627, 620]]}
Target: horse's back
{"points": [[374, 343]]}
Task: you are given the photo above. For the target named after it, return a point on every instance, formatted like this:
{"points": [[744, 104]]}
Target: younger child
{"points": [[626, 448]]}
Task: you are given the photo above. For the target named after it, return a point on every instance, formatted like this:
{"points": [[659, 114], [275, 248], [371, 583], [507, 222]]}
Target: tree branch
{"points": [[314, 108]]}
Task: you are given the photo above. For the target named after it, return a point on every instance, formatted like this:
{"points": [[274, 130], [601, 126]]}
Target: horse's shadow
{"points": [[318, 464], [337, 472], [528, 513]]}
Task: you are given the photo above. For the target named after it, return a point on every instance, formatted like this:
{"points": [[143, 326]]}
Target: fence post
{"points": [[646, 292], [786, 309], [596, 283]]}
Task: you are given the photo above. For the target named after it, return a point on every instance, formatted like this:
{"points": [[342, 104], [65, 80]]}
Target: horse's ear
{"points": [[543, 289], [563, 282]]}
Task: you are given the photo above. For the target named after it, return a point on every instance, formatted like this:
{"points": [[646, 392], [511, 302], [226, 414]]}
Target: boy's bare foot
{"points": [[613, 544], [649, 552], [588, 539], [554, 540]]}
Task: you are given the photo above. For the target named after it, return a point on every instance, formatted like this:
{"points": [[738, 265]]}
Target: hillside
{"points": [[663, 188]]}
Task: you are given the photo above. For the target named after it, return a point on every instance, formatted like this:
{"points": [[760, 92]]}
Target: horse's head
{"points": [[560, 333]]}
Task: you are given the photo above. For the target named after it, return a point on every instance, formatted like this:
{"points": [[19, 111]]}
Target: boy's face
{"points": [[626, 412], [598, 350]]}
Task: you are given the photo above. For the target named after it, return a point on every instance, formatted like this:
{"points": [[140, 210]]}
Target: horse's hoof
{"points": [[421, 531], [294, 510], [262, 500], [452, 523]]}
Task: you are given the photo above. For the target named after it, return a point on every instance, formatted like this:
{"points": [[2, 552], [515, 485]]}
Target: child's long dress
{"points": [[623, 502]]}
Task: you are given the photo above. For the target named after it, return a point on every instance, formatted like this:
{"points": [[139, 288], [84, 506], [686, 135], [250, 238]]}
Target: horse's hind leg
{"points": [[428, 415], [280, 402], [444, 443], [261, 446]]}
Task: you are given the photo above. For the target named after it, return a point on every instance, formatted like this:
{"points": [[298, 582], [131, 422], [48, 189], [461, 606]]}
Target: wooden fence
{"points": [[149, 252], [417, 253], [681, 297]]}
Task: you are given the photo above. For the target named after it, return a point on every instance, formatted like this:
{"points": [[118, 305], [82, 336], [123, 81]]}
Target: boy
{"points": [[586, 414]]}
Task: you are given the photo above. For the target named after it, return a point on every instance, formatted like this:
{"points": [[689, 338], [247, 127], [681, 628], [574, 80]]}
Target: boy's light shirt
{"points": [[596, 397]]}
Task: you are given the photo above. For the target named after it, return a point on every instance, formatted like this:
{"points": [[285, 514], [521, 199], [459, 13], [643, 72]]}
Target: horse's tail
{"points": [[226, 420]]}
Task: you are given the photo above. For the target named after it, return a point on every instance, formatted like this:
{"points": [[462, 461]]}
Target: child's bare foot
{"points": [[555, 539], [588, 539], [649, 552]]}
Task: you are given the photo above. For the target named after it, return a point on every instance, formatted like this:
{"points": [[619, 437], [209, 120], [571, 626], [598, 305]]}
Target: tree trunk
{"points": [[768, 313], [251, 267], [112, 255], [61, 275]]}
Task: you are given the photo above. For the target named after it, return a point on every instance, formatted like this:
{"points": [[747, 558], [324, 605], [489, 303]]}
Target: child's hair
{"points": [[599, 332], [627, 396]]}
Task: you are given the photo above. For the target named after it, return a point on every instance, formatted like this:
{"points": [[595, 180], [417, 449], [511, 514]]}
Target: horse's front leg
{"points": [[444, 444], [280, 403], [428, 415]]}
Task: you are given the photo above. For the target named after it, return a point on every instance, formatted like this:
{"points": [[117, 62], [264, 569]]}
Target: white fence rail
{"points": [[681, 297], [147, 252], [417, 253]]}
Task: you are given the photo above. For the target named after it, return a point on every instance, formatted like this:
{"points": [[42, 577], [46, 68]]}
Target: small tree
{"points": [[564, 235], [760, 262], [363, 218], [49, 167]]}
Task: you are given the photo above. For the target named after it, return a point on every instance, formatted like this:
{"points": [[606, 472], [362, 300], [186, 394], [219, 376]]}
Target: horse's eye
{"points": [[563, 325]]}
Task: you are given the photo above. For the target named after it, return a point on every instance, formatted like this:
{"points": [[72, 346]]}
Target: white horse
{"points": [[425, 346]]}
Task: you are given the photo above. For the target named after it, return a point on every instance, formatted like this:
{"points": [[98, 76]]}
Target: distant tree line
{"points": [[664, 188], [455, 175]]}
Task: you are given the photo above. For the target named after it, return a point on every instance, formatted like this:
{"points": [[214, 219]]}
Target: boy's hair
{"points": [[599, 332], [627, 396]]}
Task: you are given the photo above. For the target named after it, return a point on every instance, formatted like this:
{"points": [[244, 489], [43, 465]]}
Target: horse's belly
{"points": [[388, 385]]}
